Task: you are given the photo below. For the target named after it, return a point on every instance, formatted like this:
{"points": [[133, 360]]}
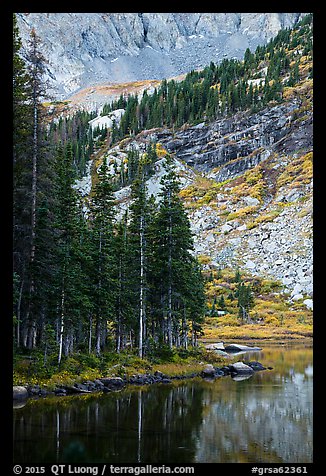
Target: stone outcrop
{"points": [[240, 142]]}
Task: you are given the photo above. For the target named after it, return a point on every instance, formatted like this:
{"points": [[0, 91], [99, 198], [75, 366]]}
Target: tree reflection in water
{"points": [[267, 418]]}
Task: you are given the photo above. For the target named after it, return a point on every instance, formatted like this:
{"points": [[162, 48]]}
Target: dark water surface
{"points": [[266, 418]]}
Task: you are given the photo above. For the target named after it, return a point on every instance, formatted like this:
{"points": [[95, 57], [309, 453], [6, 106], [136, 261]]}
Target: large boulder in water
{"points": [[240, 347], [215, 346], [256, 366], [20, 393], [240, 368]]}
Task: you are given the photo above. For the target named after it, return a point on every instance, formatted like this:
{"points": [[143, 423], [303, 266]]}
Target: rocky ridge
{"points": [[121, 47], [247, 185]]}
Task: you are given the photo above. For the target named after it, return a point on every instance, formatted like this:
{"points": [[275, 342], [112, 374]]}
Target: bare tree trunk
{"points": [[184, 329], [98, 318], [62, 321], [141, 297], [98, 336], [31, 327], [18, 312], [118, 331], [170, 280], [90, 334]]}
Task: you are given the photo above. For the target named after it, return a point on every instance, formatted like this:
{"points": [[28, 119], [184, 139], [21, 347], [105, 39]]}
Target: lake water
{"points": [[264, 419]]}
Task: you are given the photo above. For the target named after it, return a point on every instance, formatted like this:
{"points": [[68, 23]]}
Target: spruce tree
{"points": [[177, 272]]}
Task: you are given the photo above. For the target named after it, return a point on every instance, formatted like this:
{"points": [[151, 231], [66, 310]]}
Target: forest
{"points": [[93, 282]]}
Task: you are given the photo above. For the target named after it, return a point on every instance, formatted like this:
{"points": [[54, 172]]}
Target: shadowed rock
{"points": [[20, 393]]}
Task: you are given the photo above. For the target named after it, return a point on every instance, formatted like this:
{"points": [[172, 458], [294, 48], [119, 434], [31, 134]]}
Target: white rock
{"points": [[269, 246], [210, 238], [297, 297], [235, 347], [252, 243], [308, 303], [215, 346], [251, 201], [240, 367], [226, 228], [250, 264], [242, 227], [297, 289]]}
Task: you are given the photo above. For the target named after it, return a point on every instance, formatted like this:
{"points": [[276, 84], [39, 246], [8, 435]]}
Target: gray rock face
{"points": [[120, 47], [240, 142]]}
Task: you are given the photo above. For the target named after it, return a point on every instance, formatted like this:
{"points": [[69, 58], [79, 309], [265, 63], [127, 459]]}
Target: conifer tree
{"points": [[138, 258], [103, 254], [69, 227], [173, 261]]}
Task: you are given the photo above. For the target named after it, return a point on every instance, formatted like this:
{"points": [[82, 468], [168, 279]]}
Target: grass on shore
{"points": [[79, 367]]}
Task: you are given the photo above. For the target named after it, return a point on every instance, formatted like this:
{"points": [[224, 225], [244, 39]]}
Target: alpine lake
{"points": [[266, 418]]}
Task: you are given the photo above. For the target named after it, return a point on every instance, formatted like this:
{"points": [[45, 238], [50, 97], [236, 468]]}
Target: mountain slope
{"points": [[246, 181], [122, 47]]}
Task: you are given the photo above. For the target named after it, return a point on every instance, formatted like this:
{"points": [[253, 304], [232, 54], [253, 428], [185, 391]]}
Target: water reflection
{"points": [[267, 418]]}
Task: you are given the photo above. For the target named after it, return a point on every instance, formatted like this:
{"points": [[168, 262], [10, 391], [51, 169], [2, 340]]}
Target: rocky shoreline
{"points": [[237, 371]]}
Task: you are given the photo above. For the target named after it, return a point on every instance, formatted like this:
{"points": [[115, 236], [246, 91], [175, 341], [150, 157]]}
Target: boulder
{"points": [[140, 379], [250, 264], [308, 303], [251, 201], [33, 390], [297, 297], [240, 368], [240, 347], [60, 392], [112, 381], [20, 392], [71, 389], [256, 366], [226, 228], [208, 371], [215, 346]]}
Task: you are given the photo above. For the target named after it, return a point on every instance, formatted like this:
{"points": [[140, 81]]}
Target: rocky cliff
{"points": [[89, 48]]}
